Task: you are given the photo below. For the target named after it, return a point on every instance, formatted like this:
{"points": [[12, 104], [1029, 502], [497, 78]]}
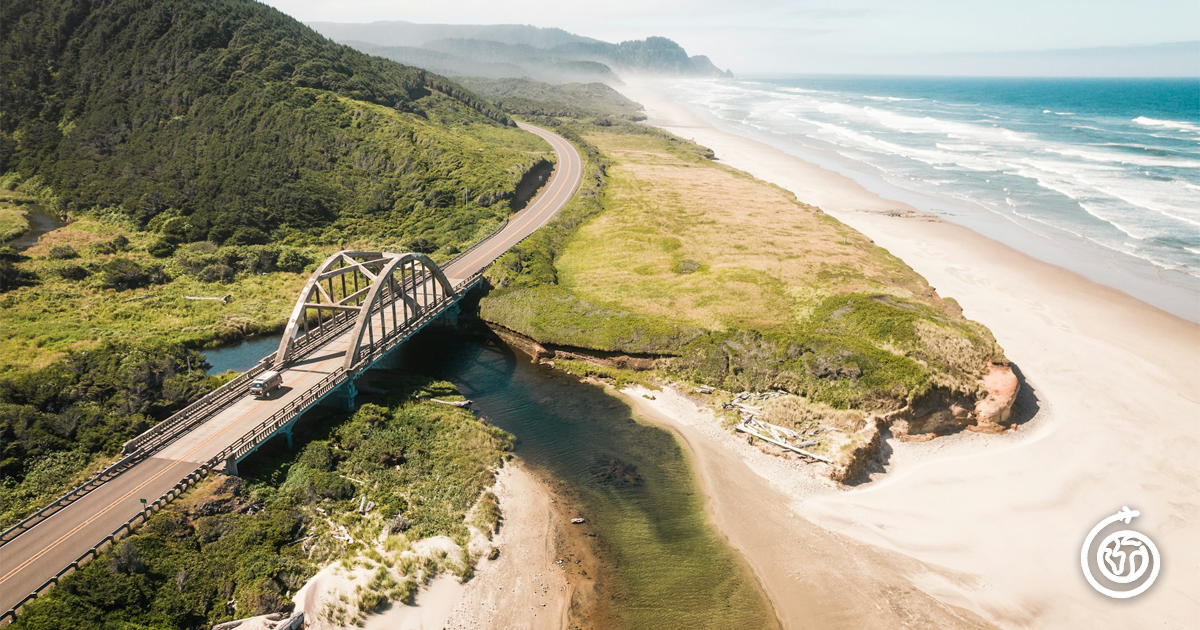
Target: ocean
{"points": [[1101, 176]]}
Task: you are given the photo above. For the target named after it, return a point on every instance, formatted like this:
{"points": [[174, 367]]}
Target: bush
{"points": [[63, 252], [161, 248], [12, 277], [216, 273], [123, 274], [73, 272], [118, 244]]}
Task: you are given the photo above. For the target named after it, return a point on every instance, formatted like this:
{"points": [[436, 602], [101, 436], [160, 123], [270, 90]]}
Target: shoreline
{"points": [[1170, 290], [1110, 379], [813, 578]]}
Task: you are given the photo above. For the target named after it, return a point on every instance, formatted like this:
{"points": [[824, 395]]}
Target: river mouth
{"points": [[650, 556], [661, 562]]}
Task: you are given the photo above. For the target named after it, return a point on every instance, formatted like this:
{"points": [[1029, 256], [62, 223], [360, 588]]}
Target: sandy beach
{"points": [[522, 588], [974, 529]]}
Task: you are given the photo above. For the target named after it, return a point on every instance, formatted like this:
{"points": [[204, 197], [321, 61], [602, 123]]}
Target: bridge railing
{"points": [[120, 532], [254, 438], [144, 445]]}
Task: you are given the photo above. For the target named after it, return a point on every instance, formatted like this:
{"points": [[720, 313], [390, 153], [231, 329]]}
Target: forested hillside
{"points": [[575, 100], [237, 118], [398, 33], [200, 148], [508, 51]]}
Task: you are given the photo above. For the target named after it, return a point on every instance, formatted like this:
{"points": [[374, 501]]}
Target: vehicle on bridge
{"points": [[266, 383]]}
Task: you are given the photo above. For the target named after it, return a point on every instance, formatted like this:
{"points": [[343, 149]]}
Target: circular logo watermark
{"points": [[1122, 557]]}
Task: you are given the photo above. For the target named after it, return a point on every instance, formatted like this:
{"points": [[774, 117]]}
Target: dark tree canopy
{"points": [[229, 112]]}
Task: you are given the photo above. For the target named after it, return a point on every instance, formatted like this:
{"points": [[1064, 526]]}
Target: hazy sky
{"points": [[807, 35]]}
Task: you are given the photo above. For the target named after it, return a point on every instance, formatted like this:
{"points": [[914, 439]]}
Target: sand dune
{"points": [[995, 523]]}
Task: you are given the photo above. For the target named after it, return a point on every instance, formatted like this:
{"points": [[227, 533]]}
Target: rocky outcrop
{"points": [[995, 413], [869, 443], [941, 412]]}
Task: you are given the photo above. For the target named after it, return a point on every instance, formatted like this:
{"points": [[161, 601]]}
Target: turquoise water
{"points": [[241, 356], [1098, 175]]}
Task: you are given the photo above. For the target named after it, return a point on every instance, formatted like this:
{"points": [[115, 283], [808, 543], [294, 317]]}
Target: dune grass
{"points": [[742, 284]]}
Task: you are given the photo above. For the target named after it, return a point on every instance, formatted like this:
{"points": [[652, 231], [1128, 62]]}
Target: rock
{"points": [[995, 411]]}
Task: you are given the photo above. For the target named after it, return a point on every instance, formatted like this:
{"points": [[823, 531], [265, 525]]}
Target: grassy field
{"points": [[71, 308], [742, 285], [12, 221]]}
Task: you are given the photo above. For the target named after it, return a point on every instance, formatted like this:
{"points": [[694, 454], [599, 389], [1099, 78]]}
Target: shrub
{"points": [[73, 272], [161, 248], [12, 277], [63, 252], [216, 273], [124, 274]]}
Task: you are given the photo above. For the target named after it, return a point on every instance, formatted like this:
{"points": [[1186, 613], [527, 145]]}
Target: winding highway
{"points": [[40, 551]]}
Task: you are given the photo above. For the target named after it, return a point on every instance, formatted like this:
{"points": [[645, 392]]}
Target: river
{"points": [[663, 565], [40, 222]]}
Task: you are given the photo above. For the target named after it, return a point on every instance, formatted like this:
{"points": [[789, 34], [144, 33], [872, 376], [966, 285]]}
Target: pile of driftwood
{"points": [[780, 436]]}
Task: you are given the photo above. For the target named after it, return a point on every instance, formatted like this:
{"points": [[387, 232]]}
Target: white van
{"points": [[266, 383]]}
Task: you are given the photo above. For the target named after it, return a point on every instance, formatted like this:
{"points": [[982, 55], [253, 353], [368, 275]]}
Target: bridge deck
{"points": [[39, 553]]}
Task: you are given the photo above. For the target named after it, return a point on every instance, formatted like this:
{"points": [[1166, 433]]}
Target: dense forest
{"points": [[236, 117], [527, 97]]}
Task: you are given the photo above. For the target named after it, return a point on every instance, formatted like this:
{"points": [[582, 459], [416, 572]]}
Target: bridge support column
{"points": [[287, 434], [449, 317], [342, 398], [231, 467]]}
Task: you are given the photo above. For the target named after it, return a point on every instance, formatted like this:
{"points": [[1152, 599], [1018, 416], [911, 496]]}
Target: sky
{"points": [[765, 36]]}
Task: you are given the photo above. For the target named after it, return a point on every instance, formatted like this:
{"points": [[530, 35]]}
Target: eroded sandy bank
{"points": [[988, 524], [522, 588]]}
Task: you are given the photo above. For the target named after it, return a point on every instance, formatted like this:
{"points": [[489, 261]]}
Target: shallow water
{"points": [[40, 222], [241, 356], [664, 566]]}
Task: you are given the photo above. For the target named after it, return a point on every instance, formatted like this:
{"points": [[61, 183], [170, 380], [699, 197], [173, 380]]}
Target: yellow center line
{"points": [[162, 472]]}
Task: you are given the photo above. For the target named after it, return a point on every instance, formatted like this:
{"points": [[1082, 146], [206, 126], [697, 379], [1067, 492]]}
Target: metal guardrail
{"points": [[115, 469], [144, 445], [480, 242]]}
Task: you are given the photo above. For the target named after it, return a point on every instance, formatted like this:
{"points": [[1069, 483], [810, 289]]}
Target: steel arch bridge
{"points": [[378, 296], [336, 330]]}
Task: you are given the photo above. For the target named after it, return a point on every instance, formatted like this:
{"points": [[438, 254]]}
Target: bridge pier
{"points": [[449, 317], [231, 467], [340, 398]]}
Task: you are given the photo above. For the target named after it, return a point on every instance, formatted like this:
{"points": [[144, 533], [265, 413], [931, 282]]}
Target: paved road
{"points": [[41, 552]]}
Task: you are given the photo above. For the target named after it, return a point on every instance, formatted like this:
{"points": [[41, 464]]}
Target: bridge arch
{"points": [[371, 294]]}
